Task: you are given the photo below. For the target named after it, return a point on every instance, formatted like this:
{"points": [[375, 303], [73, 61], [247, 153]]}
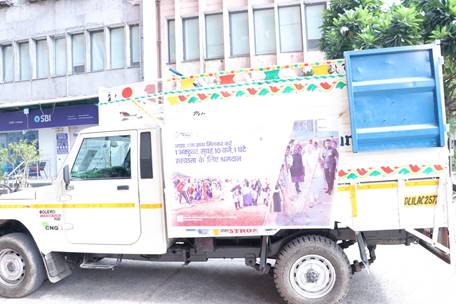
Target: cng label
{"points": [[420, 200]]}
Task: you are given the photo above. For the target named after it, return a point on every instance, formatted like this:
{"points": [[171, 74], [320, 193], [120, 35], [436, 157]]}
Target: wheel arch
{"points": [[283, 237], [11, 226], [55, 264]]}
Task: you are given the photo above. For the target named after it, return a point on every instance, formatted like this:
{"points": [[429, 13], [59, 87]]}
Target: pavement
{"points": [[401, 275]]}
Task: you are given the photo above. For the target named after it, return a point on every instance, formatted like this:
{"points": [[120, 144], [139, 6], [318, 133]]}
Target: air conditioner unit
{"points": [[134, 2], [6, 3]]}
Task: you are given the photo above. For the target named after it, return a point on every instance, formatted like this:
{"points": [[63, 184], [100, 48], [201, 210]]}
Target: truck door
{"points": [[101, 203]]}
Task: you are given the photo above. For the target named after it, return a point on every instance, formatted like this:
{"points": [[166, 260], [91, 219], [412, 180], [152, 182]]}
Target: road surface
{"points": [[401, 275]]}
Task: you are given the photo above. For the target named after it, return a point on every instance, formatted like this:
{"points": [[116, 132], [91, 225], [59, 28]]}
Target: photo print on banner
{"points": [[299, 193]]}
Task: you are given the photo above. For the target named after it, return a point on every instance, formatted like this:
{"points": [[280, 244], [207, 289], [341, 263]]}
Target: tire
{"points": [[21, 266], [312, 269]]}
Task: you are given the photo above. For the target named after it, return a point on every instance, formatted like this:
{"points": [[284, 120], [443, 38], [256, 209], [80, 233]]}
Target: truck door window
{"points": [[103, 158], [146, 156]]}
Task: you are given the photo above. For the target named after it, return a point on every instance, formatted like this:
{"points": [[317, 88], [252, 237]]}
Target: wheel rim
{"points": [[312, 276], [12, 267]]}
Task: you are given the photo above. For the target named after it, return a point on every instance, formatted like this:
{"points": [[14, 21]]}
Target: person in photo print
{"points": [[330, 157], [297, 167], [247, 194], [237, 196]]}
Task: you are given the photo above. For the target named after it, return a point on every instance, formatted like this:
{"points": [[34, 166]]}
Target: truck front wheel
{"points": [[21, 267], [312, 269]]}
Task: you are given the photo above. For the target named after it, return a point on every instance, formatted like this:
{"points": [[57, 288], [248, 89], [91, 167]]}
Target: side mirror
{"points": [[66, 176]]}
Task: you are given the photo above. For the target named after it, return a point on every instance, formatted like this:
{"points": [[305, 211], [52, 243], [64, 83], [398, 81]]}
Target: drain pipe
{"points": [[159, 42]]}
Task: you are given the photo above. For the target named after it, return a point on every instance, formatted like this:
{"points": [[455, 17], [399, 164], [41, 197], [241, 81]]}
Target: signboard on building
{"points": [[49, 117]]}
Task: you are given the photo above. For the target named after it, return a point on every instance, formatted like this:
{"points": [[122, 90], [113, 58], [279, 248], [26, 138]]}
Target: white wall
{"points": [[46, 19], [178, 9], [47, 143]]}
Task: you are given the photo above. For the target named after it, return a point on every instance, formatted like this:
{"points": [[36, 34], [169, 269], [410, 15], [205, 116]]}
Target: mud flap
{"points": [[56, 266], [362, 250]]}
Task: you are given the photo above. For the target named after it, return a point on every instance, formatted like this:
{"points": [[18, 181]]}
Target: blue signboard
{"points": [[63, 116]]}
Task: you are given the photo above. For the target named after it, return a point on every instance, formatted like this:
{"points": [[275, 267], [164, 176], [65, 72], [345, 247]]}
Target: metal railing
{"points": [[37, 173]]}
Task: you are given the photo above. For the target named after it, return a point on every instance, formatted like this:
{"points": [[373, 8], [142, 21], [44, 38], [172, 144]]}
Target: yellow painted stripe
{"points": [[353, 201], [418, 183], [151, 206], [432, 182], [343, 188], [377, 186], [71, 206], [368, 187], [14, 206], [83, 206]]}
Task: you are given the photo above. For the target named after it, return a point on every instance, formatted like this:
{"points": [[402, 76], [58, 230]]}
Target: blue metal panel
{"points": [[395, 98]]}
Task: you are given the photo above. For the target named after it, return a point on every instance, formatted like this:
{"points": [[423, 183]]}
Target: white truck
{"points": [[283, 166]]}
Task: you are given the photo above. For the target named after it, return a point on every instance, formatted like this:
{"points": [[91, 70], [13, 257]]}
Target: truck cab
{"points": [[108, 198], [122, 164]]}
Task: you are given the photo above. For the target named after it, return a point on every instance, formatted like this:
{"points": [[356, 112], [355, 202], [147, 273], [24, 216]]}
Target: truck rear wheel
{"points": [[21, 267], [312, 269]]}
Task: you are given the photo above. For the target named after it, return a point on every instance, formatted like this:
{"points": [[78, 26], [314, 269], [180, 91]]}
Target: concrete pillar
{"points": [[150, 40]]}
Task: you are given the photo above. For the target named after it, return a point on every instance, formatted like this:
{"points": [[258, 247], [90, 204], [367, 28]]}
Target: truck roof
{"points": [[127, 124]]}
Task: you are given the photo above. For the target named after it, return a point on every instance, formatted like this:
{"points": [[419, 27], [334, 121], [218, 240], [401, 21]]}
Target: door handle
{"points": [[123, 187]]}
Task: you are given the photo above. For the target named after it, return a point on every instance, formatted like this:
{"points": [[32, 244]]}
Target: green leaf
{"points": [[340, 85], [287, 89], [312, 87], [352, 176], [263, 92], [375, 173]]}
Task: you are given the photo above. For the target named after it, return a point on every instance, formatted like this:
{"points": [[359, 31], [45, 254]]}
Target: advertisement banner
{"points": [[62, 143], [266, 162]]}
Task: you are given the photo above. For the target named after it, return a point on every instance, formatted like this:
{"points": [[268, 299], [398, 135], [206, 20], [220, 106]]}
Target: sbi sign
{"points": [[42, 118]]}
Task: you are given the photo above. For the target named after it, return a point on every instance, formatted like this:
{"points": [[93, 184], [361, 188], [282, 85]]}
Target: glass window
{"points": [[97, 50], [290, 29], [60, 56], [42, 58], [103, 158], [191, 38], [135, 45], [214, 36], [171, 41], [24, 61], [265, 41], [15, 137], [239, 28], [314, 20], [78, 50], [8, 65], [117, 48], [146, 155]]}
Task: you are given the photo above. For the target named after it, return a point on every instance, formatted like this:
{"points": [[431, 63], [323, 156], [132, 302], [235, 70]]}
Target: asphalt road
{"points": [[400, 275]]}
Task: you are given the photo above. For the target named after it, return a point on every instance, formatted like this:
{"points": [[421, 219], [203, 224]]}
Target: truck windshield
{"points": [[103, 158]]}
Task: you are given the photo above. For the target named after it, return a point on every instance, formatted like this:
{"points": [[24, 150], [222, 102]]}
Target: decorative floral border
{"points": [[312, 76], [382, 171], [257, 90], [324, 67]]}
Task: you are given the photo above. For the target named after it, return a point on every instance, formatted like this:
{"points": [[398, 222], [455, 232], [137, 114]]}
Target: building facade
{"points": [[196, 36], [54, 56]]}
